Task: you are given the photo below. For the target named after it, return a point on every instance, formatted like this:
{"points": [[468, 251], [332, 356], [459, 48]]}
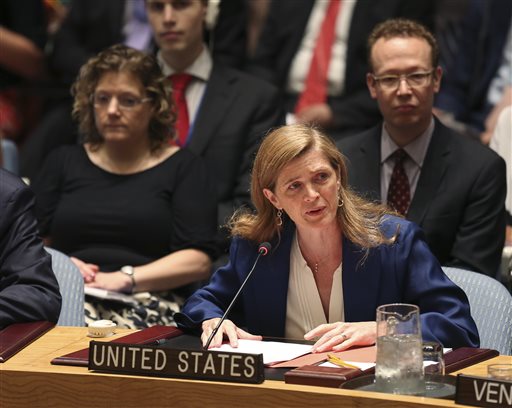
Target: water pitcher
{"points": [[399, 368]]}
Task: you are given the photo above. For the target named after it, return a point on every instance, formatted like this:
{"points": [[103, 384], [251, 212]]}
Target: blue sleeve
{"points": [[444, 307], [213, 299]]}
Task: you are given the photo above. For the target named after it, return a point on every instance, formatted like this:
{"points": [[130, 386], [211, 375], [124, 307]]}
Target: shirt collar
{"points": [[417, 149], [201, 68]]}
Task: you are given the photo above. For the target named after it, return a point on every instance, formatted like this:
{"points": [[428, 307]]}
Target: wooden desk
{"points": [[29, 380]]}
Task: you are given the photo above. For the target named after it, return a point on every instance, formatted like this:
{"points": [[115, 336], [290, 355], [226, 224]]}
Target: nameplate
{"points": [[156, 361], [483, 392]]}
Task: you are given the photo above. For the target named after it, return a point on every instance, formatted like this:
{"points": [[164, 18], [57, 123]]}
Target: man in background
{"points": [[451, 186], [222, 113]]}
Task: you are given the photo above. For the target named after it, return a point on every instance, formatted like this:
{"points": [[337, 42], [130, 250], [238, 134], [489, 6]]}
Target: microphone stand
{"points": [[263, 250]]}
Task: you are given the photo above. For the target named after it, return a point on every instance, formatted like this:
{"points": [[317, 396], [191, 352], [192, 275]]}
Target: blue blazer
{"points": [[404, 272]]}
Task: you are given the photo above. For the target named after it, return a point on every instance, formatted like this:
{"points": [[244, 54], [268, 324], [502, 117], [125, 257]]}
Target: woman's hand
{"points": [[228, 328], [113, 281], [87, 270], [341, 336]]}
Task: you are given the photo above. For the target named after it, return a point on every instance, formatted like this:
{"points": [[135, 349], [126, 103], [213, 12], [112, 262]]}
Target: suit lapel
{"points": [[433, 171], [270, 290], [360, 283], [216, 102]]}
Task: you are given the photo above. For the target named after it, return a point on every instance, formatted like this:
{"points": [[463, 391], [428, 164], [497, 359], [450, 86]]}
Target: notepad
{"points": [[273, 351]]}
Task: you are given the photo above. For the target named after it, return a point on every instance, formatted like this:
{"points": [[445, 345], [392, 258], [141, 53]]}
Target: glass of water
{"points": [[399, 365]]}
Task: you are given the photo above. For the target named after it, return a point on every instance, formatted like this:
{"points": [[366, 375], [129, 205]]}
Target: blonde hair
{"points": [[359, 219]]}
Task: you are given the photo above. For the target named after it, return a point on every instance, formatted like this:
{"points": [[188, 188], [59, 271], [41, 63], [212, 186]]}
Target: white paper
{"points": [[273, 351]]}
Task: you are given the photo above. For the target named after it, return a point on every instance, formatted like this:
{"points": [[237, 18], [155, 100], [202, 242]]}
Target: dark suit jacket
{"points": [[237, 110], [479, 54], [281, 37], [403, 272], [28, 288], [459, 200]]}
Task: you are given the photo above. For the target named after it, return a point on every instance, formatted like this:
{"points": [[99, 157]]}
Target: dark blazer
{"points": [[403, 272], [28, 288], [479, 54], [281, 37], [459, 200], [237, 110]]}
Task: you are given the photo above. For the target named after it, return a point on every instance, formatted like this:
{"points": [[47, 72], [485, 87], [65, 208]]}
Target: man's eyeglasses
{"points": [[124, 102], [414, 80]]}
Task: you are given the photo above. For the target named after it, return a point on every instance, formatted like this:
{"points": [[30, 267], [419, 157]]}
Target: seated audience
{"points": [[335, 258], [314, 51], [28, 288], [222, 113], [136, 214], [474, 80], [90, 27], [451, 186]]}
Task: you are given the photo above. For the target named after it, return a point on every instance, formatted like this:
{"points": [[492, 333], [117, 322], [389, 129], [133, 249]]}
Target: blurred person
{"points": [[29, 290], [91, 26], [480, 71], [452, 187], [22, 40], [136, 214], [335, 258], [314, 52]]}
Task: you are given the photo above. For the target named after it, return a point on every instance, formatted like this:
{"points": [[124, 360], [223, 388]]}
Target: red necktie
{"points": [[179, 86], [315, 86], [399, 193]]}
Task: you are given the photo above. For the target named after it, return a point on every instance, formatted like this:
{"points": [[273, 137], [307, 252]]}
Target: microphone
{"points": [[263, 249]]}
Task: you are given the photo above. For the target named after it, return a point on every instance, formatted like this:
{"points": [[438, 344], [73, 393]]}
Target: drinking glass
{"points": [[399, 366], [500, 371], [433, 358]]}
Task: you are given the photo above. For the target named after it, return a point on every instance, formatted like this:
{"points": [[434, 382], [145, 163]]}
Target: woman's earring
{"points": [[340, 201], [279, 219]]}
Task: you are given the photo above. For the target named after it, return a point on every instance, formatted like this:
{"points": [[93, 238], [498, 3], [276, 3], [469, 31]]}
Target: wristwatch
{"points": [[130, 271]]}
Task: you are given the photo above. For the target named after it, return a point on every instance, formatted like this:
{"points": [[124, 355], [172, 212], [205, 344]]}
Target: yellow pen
{"points": [[339, 362]]}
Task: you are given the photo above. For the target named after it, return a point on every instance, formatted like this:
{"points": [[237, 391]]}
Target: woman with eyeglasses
{"points": [[136, 213]]}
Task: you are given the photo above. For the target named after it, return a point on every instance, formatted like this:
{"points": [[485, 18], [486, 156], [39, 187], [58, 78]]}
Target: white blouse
{"points": [[304, 309]]}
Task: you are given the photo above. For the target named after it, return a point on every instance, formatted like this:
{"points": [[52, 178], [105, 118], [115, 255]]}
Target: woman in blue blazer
{"points": [[335, 258]]}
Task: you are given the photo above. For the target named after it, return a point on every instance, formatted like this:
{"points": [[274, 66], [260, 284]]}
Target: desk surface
{"points": [[29, 380]]}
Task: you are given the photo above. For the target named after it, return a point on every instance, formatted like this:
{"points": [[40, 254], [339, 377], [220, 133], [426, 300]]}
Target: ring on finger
{"points": [[343, 337]]}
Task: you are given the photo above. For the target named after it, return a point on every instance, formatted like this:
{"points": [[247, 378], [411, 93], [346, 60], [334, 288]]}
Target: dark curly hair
{"points": [[118, 58]]}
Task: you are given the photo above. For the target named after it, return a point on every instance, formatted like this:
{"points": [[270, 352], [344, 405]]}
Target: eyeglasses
{"points": [[124, 101], [414, 80]]}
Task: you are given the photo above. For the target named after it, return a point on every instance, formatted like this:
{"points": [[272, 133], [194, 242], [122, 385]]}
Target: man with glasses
{"points": [[451, 186]]}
